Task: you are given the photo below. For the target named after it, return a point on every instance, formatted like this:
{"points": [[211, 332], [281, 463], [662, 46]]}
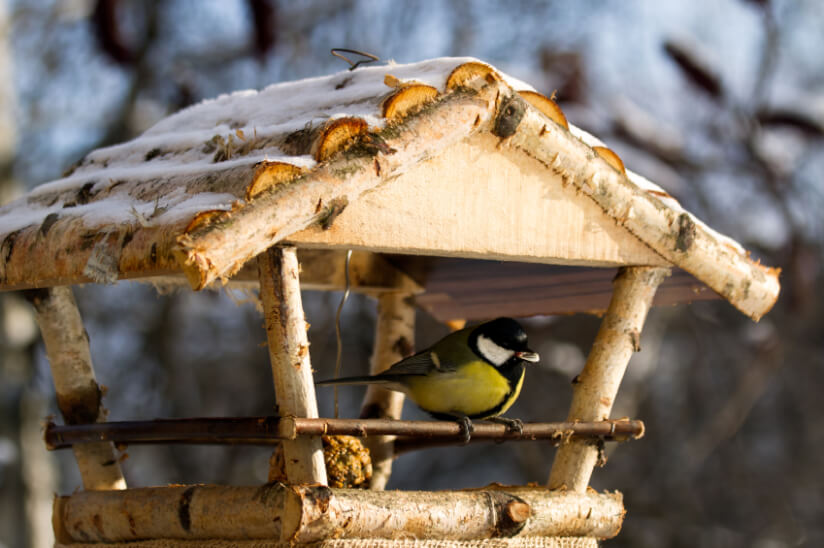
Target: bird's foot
{"points": [[513, 426], [466, 428]]}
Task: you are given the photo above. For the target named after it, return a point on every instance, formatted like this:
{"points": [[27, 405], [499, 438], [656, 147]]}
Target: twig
{"points": [[338, 336], [272, 430]]}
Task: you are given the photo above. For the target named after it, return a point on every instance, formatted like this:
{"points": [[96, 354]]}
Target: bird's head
{"points": [[501, 340]]}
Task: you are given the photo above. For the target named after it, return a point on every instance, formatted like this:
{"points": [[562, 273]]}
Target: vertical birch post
{"points": [[394, 340], [289, 354], [78, 394], [596, 387]]}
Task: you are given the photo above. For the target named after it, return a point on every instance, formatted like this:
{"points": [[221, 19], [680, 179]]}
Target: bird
{"points": [[475, 373]]}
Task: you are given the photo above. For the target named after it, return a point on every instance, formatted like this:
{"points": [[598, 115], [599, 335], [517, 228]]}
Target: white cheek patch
{"points": [[496, 354]]}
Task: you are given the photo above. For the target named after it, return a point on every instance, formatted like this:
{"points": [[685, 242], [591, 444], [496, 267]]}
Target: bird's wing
{"points": [[422, 363]]}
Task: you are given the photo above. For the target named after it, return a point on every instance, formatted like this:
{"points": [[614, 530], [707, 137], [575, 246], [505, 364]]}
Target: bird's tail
{"points": [[367, 379]]}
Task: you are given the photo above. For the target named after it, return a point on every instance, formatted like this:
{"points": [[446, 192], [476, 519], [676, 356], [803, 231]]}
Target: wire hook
{"points": [[352, 64], [338, 337]]}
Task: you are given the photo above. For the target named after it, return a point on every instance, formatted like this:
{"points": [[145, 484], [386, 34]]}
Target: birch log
{"points": [[516, 542], [218, 249], [451, 515], [289, 354], [670, 231], [78, 394], [596, 387], [307, 514], [394, 340]]}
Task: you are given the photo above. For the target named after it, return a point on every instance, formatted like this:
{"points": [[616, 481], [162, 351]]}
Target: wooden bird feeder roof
{"points": [[443, 158]]}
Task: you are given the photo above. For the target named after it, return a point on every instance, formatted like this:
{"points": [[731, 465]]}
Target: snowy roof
{"points": [[208, 188]]}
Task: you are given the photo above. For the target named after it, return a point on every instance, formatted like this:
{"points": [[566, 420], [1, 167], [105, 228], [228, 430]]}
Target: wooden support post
{"points": [[289, 354], [596, 387], [78, 394], [394, 340]]}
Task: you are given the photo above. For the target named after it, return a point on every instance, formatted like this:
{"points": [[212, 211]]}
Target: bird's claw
{"points": [[513, 426], [466, 428], [516, 426]]}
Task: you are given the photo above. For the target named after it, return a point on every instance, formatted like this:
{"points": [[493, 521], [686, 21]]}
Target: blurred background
{"points": [[721, 102]]}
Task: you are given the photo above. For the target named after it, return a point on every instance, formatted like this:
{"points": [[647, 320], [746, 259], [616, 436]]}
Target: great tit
{"points": [[474, 373]]}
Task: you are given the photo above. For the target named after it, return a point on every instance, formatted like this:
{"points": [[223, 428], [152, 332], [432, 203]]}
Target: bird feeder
{"points": [[461, 191]]}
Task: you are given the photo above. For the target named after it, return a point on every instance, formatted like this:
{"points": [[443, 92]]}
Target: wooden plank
{"points": [[478, 290], [477, 200]]}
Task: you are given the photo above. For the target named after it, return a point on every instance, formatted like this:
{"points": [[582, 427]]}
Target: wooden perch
{"points": [[394, 340], [594, 390], [674, 235], [289, 354], [79, 397], [272, 430], [306, 514]]}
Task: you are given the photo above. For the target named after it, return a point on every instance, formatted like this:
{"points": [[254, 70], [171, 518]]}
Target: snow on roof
{"points": [[156, 196], [192, 140], [251, 121]]}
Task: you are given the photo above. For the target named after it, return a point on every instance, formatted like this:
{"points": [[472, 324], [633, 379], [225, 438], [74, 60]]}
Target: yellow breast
{"points": [[474, 390]]}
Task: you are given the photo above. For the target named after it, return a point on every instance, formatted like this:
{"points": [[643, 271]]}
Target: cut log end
{"points": [[463, 74], [609, 156], [756, 304], [203, 219], [270, 175], [546, 105], [406, 100], [518, 511], [336, 136], [196, 275]]}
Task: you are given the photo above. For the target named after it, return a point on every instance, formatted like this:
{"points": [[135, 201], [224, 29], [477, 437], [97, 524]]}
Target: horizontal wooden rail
{"points": [[271, 430], [304, 514]]}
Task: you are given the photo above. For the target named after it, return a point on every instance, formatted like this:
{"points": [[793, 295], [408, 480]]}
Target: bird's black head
{"points": [[501, 340]]}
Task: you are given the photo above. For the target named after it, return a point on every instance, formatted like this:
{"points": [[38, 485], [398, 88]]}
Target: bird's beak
{"points": [[528, 356]]}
